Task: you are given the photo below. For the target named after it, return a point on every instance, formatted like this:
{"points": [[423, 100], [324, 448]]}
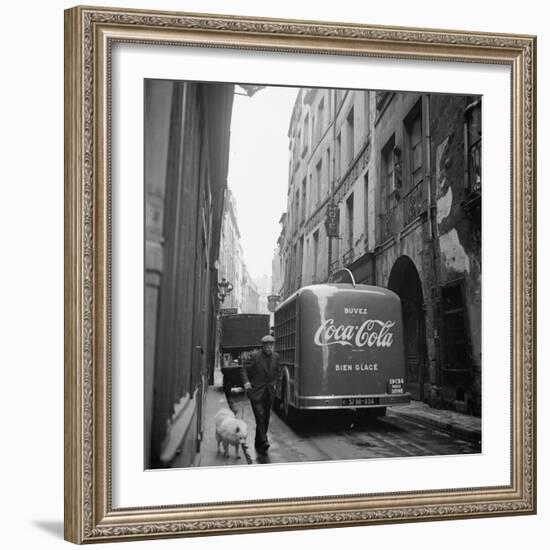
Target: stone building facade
{"points": [[329, 137], [276, 275], [231, 253], [245, 295], [251, 294], [263, 284], [401, 173], [186, 157]]}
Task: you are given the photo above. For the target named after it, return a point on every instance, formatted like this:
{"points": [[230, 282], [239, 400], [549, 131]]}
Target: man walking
{"points": [[260, 382]]}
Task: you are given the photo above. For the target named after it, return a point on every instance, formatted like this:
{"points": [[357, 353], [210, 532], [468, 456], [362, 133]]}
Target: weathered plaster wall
{"points": [[459, 235]]}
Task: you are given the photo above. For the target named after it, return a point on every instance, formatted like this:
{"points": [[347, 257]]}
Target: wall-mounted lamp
{"points": [[224, 288]]}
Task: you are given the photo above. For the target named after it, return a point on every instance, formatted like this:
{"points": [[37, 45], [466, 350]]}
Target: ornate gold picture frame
{"points": [[90, 36]]}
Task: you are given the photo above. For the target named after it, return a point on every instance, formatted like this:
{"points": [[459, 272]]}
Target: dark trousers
{"points": [[262, 409]]}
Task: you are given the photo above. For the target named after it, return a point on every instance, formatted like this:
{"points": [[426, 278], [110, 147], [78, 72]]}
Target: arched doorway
{"points": [[405, 281]]}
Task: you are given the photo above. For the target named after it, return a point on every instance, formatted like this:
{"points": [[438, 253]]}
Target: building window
{"points": [[367, 113], [305, 135], [315, 255], [455, 339], [308, 267], [311, 193], [349, 221], [415, 197], [350, 138], [388, 191], [320, 119], [303, 212], [327, 178], [300, 261], [366, 202], [338, 156], [335, 243], [295, 259], [287, 226], [388, 175], [296, 209], [413, 128], [290, 170], [472, 132], [318, 181]]}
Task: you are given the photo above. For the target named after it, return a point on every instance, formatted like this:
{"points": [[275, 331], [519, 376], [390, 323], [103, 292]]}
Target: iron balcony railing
{"points": [[415, 202], [387, 224]]}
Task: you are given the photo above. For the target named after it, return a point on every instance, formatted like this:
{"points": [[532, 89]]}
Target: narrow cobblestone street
{"points": [[333, 435]]}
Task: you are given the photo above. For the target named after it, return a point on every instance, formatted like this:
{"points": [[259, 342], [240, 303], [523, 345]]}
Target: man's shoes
{"points": [[262, 448]]}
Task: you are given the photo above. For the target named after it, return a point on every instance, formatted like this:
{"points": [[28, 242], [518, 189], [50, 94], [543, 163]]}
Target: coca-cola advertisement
{"points": [[353, 338], [373, 332]]}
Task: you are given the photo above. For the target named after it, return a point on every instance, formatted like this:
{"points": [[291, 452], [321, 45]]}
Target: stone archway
{"points": [[405, 281]]}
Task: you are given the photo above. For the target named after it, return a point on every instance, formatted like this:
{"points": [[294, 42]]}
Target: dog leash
{"points": [[242, 408], [244, 445]]}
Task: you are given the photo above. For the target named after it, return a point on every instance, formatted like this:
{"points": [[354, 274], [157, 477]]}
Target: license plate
{"points": [[356, 401]]}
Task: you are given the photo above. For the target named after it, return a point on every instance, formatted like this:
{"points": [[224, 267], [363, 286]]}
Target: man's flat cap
{"points": [[267, 339]]}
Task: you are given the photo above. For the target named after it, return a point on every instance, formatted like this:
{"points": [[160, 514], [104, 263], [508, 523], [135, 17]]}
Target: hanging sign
{"points": [[332, 219]]}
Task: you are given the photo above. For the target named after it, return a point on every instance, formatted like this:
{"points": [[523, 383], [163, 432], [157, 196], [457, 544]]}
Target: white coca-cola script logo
{"points": [[372, 332]]}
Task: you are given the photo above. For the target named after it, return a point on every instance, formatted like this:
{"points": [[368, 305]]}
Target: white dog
{"points": [[230, 431]]}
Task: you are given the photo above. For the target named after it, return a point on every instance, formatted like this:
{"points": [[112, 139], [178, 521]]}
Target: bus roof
{"points": [[324, 288]]}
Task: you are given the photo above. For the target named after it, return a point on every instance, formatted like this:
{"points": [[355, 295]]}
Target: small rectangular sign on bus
{"points": [[395, 385]]}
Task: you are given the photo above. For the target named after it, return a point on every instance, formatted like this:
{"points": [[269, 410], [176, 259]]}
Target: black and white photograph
{"points": [[312, 278], [252, 296]]}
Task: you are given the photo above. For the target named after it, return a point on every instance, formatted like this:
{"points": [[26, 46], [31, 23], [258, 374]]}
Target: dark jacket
{"points": [[262, 371]]}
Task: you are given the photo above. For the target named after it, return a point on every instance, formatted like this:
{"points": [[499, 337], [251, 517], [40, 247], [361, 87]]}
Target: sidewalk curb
{"points": [[472, 435]]}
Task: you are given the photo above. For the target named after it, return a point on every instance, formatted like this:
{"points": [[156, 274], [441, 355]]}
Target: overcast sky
{"points": [[258, 170]]}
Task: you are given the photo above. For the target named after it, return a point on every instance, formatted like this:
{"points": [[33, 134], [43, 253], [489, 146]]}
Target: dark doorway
{"points": [[405, 281]]}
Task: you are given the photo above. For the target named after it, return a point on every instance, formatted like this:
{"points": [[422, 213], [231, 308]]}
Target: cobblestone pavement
{"points": [[334, 435]]}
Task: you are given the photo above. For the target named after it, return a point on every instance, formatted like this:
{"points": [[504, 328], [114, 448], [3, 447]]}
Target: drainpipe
{"points": [[432, 213], [431, 194], [333, 172], [373, 256], [372, 120]]}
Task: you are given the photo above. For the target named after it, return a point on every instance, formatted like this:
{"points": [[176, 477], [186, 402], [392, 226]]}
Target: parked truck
{"points": [[240, 336]]}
